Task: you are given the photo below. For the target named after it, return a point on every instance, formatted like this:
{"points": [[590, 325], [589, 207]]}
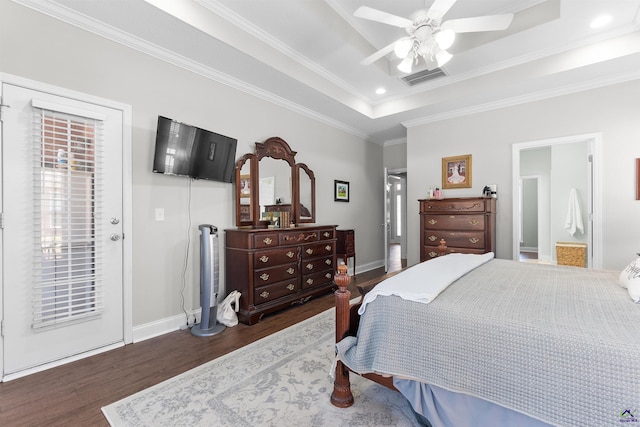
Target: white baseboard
{"points": [[177, 322], [164, 326]]}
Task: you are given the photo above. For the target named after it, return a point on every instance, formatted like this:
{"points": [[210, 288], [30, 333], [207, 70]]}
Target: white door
{"points": [[62, 262]]}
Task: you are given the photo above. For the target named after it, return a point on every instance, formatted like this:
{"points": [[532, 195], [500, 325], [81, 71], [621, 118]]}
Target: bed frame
{"points": [[347, 321]]}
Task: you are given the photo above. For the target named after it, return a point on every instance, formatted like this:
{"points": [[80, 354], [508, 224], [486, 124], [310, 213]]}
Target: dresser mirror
{"points": [[269, 180], [306, 193]]}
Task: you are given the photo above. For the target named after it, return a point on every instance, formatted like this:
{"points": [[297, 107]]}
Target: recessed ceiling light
{"points": [[381, 91], [601, 21]]}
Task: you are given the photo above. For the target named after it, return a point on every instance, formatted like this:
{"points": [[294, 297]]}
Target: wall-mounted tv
{"points": [[186, 150]]}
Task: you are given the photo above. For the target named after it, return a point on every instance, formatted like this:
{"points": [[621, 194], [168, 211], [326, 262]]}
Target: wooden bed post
{"points": [[342, 396]]}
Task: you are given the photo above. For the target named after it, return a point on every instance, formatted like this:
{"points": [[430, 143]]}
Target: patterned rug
{"points": [[280, 380]]}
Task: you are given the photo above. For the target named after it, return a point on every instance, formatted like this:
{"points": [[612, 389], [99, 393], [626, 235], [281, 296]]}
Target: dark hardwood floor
{"points": [[72, 395]]}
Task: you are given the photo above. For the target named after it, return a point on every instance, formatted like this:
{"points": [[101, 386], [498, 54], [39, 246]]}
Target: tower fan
{"points": [[209, 260]]}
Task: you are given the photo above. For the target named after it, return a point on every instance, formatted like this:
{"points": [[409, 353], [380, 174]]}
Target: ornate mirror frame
{"points": [[248, 184]]}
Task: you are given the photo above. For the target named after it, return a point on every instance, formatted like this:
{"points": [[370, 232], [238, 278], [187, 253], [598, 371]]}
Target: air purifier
{"points": [[209, 261]]}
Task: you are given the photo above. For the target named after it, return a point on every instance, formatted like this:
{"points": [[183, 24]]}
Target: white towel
{"points": [[423, 282], [573, 222]]}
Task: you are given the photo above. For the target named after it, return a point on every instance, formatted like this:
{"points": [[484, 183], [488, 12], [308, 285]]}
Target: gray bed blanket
{"points": [[560, 344]]}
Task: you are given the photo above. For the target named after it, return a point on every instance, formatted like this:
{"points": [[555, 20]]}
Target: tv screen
{"points": [[186, 150]]}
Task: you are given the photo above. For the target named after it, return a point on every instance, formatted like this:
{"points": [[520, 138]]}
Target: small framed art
{"points": [[340, 191], [456, 171]]}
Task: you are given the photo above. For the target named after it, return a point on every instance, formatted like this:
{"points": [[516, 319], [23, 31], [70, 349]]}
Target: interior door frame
{"points": [[127, 211], [388, 225], [594, 210]]}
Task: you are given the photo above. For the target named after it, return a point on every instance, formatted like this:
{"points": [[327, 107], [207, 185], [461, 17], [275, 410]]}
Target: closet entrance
{"points": [[557, 198]]}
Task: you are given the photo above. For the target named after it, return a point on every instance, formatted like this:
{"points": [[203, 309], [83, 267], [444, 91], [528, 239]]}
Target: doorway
{"points": [[550, 179], [64, 279], [395, 220]]}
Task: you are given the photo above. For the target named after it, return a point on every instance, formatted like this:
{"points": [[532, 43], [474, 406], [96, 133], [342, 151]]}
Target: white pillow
{"points": [[630, 279]]}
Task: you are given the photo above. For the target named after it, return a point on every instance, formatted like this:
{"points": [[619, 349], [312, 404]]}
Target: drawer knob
{"points": [[432, 221], [433, 254], [264, 294], [328, 261], [474, 222], [309, 266], [291, 286], [328, 275], [474, 240], [327, 234], [264, 258], [432, 238], [267, 241], [291, 270], [290, 254], [309, 281], [328, 248], [264, 276], [309, 251]]}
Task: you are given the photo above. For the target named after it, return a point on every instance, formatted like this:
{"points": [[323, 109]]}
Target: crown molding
{"points": [[524, 99], [106, 31]]}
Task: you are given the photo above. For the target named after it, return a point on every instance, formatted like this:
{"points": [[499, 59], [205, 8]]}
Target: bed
{"points": [[506, 343]]}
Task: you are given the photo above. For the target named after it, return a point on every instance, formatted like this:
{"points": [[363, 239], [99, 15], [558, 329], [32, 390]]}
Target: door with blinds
{"points": [[62, 233]]}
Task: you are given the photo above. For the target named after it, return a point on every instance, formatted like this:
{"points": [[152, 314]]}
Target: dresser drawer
{"points": [[275, 274], [461, 206], [454, 222], [432, 251], [318, 249], [266, 240], [276, 290], [273, 257], [326, 234], [298, 237], [463, 239], [316, 264], [317, 279]]}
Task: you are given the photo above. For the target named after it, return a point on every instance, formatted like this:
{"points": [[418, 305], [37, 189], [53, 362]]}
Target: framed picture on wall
{"points": [[456, 171], [340, 191]]}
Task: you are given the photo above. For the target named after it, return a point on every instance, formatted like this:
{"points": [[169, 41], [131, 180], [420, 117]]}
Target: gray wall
{"points": [[37, 47], [488, 136]]}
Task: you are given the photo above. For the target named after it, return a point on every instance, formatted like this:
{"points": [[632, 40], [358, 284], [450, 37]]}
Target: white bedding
{"points": [[423, 282]]}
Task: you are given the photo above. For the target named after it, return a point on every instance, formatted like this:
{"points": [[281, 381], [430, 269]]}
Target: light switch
{"points": [[159, 214]]}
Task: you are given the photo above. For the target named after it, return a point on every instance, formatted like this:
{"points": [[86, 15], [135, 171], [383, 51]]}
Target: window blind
{"points": [[67, 176]]}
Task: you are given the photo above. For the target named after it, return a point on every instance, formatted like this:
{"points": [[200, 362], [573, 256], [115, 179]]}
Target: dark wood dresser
{"points": [[468, 224], [277, 268], [346, 246]]}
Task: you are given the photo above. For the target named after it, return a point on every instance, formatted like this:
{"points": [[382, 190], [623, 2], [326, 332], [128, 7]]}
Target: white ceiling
{"points": [[305, 54]]}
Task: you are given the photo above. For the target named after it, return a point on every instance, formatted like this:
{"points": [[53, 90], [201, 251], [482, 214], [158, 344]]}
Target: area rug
{"points": [[280, 380]]}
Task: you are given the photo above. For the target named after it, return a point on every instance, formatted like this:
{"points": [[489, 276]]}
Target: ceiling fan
{"points": [[427, 36]]}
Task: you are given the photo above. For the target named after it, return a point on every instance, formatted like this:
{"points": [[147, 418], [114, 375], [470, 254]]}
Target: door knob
{"points": [[115, 237]]}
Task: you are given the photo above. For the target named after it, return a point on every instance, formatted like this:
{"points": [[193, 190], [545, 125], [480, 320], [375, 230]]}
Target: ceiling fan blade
{"points": [[382, 52], [439, 8], [383, 17], [480, 23]]}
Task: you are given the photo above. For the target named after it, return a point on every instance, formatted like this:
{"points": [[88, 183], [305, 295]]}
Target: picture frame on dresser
{"points": [[245, 186], [456, 171], [340, 191]]}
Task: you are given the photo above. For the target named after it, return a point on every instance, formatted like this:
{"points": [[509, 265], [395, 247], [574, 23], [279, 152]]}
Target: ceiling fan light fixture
{"points": [[402, 47], [442, 57], [445, 38], [406, 64]]}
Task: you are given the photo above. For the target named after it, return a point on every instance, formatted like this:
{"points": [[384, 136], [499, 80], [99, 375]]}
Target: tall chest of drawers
{"points": [[277, 268], [468, 224]]}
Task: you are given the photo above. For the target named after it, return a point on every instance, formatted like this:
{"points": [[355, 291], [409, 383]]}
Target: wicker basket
{"points": [[571, 253]]}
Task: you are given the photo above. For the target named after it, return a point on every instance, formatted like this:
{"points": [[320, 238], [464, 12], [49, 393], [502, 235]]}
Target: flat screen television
{"points": [[186, 150]]}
